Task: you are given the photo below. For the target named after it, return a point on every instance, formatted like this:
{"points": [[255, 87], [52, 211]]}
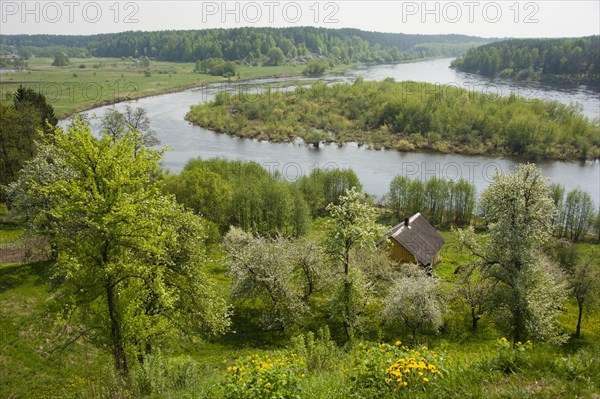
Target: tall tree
{"points": [[584, 284], [351, 226], [18, 131], [27, 97], [519, 212], [579, 214], [131, 264], [21, 124], [275, 57]]}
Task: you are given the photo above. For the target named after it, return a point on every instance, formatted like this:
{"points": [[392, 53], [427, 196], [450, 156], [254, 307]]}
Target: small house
{"points": [[415, 240]]}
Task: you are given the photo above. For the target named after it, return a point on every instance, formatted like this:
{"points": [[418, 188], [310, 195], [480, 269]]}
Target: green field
{"points": [[108, 80]]}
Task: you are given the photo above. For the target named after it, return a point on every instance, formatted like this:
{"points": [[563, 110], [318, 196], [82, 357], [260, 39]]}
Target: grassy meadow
{"points": [[90, 82], [476, 365]]}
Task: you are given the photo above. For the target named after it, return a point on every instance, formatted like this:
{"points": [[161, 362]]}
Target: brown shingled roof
{"points": [[419, 238]]}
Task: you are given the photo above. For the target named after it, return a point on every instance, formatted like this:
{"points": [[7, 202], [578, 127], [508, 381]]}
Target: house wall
{"points": [[399, 253], [438, 257]]}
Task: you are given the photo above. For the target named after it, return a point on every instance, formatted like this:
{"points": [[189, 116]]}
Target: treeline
{"points": [[575, 59], [251, 45], [245, 195], [575, 213], [441, 202], [405, 116]]}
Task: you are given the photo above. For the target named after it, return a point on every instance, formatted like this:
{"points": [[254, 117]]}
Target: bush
{"points": [[81, 66], [158, 374], [315, 68], [269, 376], [321, 353]]}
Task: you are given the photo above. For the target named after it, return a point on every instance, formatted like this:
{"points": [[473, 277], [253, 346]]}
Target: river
{"points": [[375, 168]]}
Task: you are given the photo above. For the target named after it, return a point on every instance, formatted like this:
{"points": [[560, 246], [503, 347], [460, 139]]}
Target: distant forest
{"points": [[554, 60], [248, 45]]}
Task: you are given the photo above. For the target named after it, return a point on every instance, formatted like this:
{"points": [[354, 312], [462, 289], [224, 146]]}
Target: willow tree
{"points": [[519, 212], [131, 265]]}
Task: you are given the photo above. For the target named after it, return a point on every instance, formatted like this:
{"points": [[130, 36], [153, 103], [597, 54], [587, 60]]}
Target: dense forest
{"points": [[405, 116], [251, 45], [553, 60]]}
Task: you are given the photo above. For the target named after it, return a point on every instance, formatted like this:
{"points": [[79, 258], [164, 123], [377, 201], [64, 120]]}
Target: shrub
{"points": [[321, 353], [269, 376], [158, 374]]}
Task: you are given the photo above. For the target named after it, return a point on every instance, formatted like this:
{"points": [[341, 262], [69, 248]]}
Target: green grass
{"points": [[72, 89]]}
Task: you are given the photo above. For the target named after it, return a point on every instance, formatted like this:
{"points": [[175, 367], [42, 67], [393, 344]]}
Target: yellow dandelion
{"points": [[425, 379]]}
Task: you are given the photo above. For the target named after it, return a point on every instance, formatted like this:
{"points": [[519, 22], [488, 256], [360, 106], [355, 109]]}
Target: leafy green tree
{"points": [[557, 192], [275, 57], [131, 264], [461, 204], [60, 59], [21, 124], [579, 214], [518, 211], [325, 186], [242, 194], [476, 291], [18, 131], [350, 227], [584, 286], [26, 97], [205, 192], [435, 198], [397, 196]]}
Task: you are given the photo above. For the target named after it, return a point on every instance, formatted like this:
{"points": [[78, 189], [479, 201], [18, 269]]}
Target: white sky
{"points": [[549, 18]]}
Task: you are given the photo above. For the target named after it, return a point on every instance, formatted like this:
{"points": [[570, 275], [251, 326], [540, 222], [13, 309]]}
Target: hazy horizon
{"points": [[487, 19]]}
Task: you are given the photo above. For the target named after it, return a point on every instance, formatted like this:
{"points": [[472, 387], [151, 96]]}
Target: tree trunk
{"points": [[347, 293], [474, 319], [118, 350], [580, 313]]}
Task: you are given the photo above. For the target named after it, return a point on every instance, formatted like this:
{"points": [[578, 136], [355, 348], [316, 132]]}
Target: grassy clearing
{"points": [[474, 366], [92, 82]]}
